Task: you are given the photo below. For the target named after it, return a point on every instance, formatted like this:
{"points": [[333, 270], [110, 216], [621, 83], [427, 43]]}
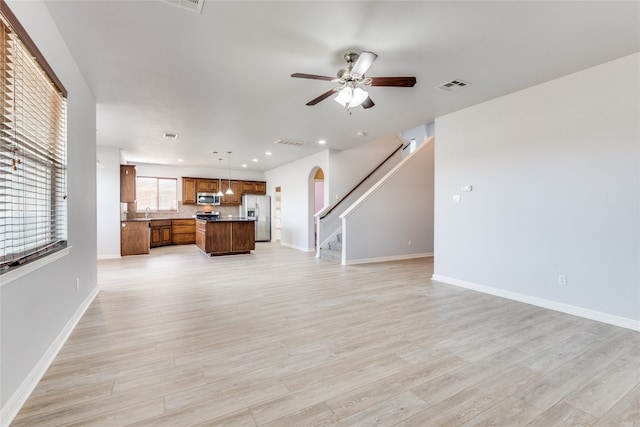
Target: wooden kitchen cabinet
{"points": [[225, 237], [189, 191], [192, 186], [134, 237], [207, 185], [160, 230], [244, 236], [254, 187], [127, 183], [183, 231], [260, 187], [236, 197]]}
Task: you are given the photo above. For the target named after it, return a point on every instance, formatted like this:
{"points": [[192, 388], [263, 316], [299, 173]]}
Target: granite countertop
{"points": [[150, 219], [222, 219]]}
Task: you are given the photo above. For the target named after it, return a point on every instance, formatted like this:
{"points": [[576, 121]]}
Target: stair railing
{"points": [[331, 208], [321, 229]]}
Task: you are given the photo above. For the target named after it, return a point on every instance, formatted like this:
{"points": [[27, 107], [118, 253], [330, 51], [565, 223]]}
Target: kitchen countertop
{"points": [[222, 219], [149, 219]]}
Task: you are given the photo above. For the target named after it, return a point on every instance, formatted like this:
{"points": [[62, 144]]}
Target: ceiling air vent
{"points": [[289, 142], [169, 135], [192, 5], [453, 85]]}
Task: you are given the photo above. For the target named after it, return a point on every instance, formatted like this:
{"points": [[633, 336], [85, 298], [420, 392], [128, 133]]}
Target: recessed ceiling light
{"points": [[254, 160], [268, 153], [181, 160], [322, 142], [361, 133], [244, 165]]}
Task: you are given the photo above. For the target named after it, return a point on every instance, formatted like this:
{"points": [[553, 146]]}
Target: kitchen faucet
{"points": [[147, 211]]}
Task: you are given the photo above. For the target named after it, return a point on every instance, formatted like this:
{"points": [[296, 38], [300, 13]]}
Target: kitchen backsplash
{"points": [[128, 211]]}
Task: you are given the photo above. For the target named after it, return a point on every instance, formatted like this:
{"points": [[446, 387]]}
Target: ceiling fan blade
{"points": [[393, 81], [367, 103], [364, 61], [322, 97], [311, 76]]}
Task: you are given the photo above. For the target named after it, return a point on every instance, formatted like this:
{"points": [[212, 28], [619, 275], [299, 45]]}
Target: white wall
{"points": [[342, 170], [394, 219], [108, 202], [39, 309], [555, 172], [350, 166], [296, 215]]}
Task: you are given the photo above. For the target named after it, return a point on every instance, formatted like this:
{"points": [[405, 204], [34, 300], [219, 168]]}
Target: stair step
{"points": [[331, 255], [336, 246]]}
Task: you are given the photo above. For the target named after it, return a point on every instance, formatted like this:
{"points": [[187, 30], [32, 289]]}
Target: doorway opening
{"points": [[316, 197], [277, 218]]}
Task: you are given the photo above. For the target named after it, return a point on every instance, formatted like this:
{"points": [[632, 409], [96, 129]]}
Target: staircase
{"points": [[333, 251]]}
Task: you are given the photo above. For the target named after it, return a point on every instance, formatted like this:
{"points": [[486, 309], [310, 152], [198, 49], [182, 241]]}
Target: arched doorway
{"points": [[316, 199]]}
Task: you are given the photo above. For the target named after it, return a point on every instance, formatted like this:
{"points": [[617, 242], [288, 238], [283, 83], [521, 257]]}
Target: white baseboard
{"points": [[20, 396], [300, 248], [109, 256], [586, 313], [388, 258]]}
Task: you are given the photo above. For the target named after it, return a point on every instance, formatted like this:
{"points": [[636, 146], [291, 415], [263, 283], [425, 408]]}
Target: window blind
{"points": [[157, 194], [33, 211]]}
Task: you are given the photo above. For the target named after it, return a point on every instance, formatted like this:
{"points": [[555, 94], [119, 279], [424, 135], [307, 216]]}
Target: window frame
{"points": [[142, 209], [54, 243]]}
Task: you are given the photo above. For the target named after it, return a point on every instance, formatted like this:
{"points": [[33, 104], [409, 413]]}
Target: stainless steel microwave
{"points": [[208, 199]]}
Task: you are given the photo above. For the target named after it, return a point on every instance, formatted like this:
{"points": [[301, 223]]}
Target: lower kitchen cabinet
{"points": [[134, 237], [225, 237], [183, 231], [160, 232]]}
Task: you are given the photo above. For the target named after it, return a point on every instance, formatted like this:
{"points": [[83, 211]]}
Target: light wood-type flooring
{"points": [[280, 338]]}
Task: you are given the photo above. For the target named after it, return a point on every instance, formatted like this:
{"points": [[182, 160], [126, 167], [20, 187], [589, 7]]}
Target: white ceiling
{"points": [[221, 79]]}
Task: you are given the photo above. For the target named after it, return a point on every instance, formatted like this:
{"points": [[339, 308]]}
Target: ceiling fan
{"points": [[351, 79]]}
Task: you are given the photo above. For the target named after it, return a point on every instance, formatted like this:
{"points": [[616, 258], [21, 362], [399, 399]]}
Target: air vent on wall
{"points": [[453, 85], [289, 142], [192, 5], [169, 135]]}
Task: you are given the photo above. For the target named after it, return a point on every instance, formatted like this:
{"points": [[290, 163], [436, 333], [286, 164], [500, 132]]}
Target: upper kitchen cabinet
{"points": [[207, 185], [192, 186], [189, 191], [127, 183], [254, 187], [236, 197]]}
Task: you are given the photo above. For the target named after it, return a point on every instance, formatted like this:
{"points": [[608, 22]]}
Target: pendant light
{"points": [[220, 193], [229, 191]]}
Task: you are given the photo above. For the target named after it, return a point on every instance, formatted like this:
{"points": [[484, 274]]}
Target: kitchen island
{"points": [[225, 236]]}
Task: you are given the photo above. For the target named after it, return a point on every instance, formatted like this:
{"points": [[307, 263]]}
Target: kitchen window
{"points": [[33, 207], [157, 194]]}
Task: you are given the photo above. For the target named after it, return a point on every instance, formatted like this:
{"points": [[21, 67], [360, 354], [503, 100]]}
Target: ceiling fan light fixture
{"points": [[359, 95], [344, 96], [351, 97]]}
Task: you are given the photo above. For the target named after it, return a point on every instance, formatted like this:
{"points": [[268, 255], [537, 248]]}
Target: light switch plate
{"points": [[456, 198], [467, 188]]}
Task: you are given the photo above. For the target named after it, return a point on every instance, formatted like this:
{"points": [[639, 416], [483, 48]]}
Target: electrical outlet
{"points": [[562, 280], [456, 198], [77, 284]]}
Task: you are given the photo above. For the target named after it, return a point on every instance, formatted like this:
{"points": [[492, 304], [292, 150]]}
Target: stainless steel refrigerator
{"points": [[258, 208]]}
